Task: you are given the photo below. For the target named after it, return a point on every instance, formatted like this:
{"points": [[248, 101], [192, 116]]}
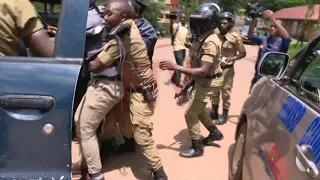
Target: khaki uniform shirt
{"points": [[135, 58], [231, 44], [18, 19], [181, 36], [207, 51]]}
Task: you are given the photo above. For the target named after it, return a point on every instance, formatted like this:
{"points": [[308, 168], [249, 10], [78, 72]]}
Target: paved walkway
{"points": [[162, 42]]}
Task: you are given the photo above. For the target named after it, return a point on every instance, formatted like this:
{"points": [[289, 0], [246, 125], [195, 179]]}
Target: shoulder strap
{"points": [[122, 51]]}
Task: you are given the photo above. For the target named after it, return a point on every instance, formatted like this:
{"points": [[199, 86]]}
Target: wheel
{"points": [[235, 172]]}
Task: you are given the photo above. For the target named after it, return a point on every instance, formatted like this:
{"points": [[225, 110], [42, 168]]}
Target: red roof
{"points": [[298, 13]]}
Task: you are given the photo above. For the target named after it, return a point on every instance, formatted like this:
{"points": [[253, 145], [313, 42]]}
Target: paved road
{"points": [[171, 135]]}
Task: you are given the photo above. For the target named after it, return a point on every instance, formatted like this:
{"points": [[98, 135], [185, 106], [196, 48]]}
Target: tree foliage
{"points": [[188, 6], [154, 12]]}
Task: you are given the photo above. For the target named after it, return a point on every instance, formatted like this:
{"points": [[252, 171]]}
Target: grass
{"points": [[294, 50]]}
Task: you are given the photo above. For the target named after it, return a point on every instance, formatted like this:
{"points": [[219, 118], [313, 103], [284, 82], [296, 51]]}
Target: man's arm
{"points": [[282, 31], [251, 28], [240, 48], [208, 57], [33, 33], [107, 57]]}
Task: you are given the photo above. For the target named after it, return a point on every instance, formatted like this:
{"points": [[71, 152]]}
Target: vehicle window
{"points": [[48, 13], [310, 82], [306, 80]]}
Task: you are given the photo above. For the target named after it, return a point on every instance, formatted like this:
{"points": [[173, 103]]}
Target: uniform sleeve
{"points": [[209, 52], [239, 45], [26, 18], [110, 53]]}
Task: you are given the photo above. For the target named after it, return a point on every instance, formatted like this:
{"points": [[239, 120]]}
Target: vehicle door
{"points": [[292, 143], [36, 101]]}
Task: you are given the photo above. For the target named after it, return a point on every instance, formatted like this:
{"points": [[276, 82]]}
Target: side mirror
{"points": [[273, 64]]}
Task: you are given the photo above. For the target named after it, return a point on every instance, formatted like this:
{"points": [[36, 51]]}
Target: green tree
{"points": [[188, 6], [153, 12], [230, 5]]}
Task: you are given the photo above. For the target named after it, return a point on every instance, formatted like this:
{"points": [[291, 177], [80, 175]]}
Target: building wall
{"points": [[292, 26]]}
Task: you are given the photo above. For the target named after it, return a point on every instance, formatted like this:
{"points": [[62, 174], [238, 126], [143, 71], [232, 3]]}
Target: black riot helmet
{"points": [[204, 18], [229, 16], [139, 5]]}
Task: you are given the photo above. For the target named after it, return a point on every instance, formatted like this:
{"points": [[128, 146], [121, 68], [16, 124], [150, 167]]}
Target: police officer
{"points": [[19, 22], [207, 73], [232, 50], [140, 90], [149, 36], [104, 89]]}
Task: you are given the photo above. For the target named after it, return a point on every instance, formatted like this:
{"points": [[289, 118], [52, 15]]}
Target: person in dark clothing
{"points": [[148, 33]]}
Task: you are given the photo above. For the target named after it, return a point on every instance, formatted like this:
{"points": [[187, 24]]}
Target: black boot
{"points": [[214, 112], [107, 148], [160, 174], [224, 118], [195, 150], [129, 146], [96, 176], [84, 170], [215, 135]]}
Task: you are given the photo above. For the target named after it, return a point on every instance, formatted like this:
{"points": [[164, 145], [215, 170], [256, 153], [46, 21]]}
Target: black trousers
{"points": [[179, 56]]}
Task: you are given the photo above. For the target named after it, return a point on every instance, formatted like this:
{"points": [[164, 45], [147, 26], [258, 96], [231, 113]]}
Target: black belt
{"points": [[218, 75], [227, 66], [140, 89], [110, 78]]}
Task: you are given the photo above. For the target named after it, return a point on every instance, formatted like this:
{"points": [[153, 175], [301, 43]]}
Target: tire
{"points": [[235, 172]]}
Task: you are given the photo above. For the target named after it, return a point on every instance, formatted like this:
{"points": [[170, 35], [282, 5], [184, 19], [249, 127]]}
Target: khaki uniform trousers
{"points": [[135, 120], [196, 110], [228, 74], [101, 96]]}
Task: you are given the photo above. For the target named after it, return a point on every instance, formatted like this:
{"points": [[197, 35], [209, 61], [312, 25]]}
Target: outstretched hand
{"points": [[167, 65]]}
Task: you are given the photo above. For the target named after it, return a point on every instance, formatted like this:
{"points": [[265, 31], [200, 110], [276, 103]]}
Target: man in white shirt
{"points": [[180, 32]]}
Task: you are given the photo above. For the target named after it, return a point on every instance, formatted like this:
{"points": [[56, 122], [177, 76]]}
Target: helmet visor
{"points": [[198, 24]]}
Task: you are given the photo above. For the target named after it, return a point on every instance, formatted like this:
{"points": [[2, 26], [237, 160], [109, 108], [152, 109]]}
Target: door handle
{"points": [[27, 102], [305, 160]]}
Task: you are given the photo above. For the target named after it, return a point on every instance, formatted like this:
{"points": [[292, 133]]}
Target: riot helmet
{"points": [[204, 18], [92, 3], [139, 5], [227, 21], [229, 16]]}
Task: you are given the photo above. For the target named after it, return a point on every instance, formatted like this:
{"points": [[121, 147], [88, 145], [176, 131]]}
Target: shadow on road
{"points": [[182, 139], [135, 161]]}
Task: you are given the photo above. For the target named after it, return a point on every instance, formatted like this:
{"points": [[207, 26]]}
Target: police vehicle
{"points": [[278, 134], [36, 103]]}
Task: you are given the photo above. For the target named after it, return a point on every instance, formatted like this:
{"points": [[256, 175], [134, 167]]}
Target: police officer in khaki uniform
{"points": [[19, 21], [140, 93], [231, 51], [206, 72], [104, 89]]}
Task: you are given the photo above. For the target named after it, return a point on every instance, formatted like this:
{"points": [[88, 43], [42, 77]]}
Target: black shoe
{"points": [[160, 174], [196, 150], [215, 135], [224, 118], [129, 146], [214, 112], [96, 176], [107, 148]]}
